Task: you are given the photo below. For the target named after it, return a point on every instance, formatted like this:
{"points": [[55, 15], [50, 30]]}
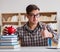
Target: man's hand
{"points": [[5, 31], [45, 33]]}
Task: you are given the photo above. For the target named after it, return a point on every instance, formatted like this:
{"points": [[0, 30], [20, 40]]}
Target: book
{"points": [[8, 36], [10, 47], [8, 43], [9, 40]]}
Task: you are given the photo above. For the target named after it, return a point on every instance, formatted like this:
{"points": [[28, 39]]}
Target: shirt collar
{"points": [[31, 31]]}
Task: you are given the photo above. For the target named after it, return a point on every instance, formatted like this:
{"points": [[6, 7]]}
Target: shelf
{"points": [[49, 21], [13, 23], [48, 13], [9, 14], [43, 22], [43, 13]]}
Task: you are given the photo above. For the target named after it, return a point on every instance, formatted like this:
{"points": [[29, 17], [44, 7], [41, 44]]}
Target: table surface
{"points": [[30, 49]]}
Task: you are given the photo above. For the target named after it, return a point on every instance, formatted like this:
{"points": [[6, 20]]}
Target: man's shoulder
{"points": [[20, 28]]}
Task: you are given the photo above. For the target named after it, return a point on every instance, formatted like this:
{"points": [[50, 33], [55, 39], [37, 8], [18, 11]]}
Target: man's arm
{"points": [[47, 32], [55, 36]]}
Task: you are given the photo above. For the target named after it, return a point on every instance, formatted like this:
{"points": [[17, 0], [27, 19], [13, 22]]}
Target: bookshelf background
{"points": [[19, 19]]}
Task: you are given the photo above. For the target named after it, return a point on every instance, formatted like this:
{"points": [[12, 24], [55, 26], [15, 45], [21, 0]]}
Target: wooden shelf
{"points": [[43, 22], [9, 14], [13, 23], [47, 13], [6, 17], [49, 21], [43, 13]]}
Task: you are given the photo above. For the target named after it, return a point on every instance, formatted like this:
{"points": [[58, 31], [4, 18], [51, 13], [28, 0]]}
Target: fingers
{"points": [[44, 26], [5, 31], [42, 32]]}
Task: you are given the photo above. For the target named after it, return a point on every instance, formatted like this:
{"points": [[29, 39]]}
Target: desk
{"points": [[30, 49]]}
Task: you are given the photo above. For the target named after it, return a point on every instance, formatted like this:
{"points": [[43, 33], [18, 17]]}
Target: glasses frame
{"points": [[34, 15]]}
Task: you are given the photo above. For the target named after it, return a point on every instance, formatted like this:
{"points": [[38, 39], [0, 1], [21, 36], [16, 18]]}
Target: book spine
{"points": [[8, 41], [8, 36]]}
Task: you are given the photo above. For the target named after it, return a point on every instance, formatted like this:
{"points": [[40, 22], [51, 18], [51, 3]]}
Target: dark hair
{"points": [[31, 7]]}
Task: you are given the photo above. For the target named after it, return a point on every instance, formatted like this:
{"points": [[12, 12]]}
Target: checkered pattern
{"points": [[32, 37]]}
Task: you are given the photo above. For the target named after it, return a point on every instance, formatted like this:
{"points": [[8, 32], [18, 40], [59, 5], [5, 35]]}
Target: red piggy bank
{"points": [[11, 30]]}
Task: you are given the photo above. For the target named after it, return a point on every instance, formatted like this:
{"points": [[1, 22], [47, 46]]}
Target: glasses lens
{"points": [[37, 15], [32, 15]]}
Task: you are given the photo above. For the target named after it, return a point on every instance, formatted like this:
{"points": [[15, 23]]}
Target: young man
{"points": [[34, 33]]}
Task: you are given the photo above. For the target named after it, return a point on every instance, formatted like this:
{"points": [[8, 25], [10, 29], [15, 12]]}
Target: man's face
{"points": [[33, 16]]}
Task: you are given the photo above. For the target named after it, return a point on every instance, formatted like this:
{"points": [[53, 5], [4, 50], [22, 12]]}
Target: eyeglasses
{"points": [[34, 15]]}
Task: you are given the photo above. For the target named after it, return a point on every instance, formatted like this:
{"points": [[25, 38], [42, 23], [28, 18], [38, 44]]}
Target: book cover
{"points": [[11, 40], [8, 36], [8, 43]]}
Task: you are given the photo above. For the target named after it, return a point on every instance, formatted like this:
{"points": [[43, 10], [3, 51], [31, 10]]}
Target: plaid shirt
{"points": [[32, 37]]}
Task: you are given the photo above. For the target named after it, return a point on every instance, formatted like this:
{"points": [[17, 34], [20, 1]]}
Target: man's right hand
{"points": [[5, 31], [45, 33]]}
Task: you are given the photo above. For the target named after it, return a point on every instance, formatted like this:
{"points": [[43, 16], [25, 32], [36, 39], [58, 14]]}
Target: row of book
{"points": [[48, 18], [9, 42]]}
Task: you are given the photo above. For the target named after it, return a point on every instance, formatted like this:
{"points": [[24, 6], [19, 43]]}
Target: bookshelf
{"points": [[19, 19]]}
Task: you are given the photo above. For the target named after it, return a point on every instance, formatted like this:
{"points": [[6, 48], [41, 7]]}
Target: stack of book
{"points": [[9, 42]]}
